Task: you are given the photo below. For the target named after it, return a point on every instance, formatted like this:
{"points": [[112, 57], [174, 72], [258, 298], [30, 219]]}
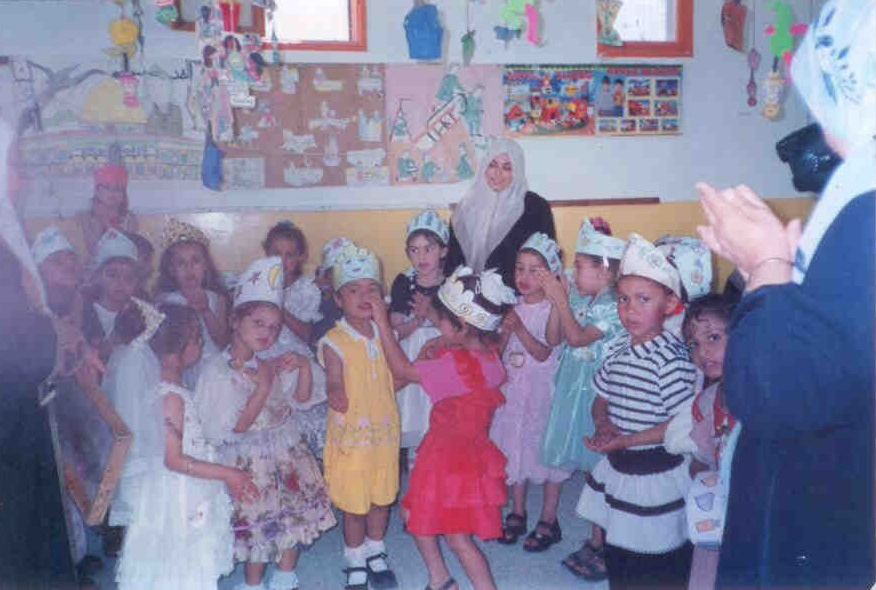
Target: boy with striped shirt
{"points": [[637, 491]]}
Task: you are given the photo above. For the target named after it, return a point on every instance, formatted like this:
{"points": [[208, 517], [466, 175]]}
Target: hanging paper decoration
{"points": [[606, 12], [129, 89], [519, 16], [751, 87], [782, 33], [424, 31], [123, 32], [773, 86], [167, 12], [468, 39], [230, 14], [733, 22]]}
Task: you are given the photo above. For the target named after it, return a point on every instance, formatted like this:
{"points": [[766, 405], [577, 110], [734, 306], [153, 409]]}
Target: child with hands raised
{"points": [[457, 485], [248, 413]]}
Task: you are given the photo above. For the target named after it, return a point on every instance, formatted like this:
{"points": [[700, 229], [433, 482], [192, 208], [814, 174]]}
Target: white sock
{"points": [[281, 580], [355, 557], [373, 547]]}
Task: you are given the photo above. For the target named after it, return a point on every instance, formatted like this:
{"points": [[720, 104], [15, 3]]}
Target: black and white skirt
{"points": [[638, 496]]}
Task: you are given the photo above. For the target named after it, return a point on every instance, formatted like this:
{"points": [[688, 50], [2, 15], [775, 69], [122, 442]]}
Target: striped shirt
{"points": [[645, 384]]}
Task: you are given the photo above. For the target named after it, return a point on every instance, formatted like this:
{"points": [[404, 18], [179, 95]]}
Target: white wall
{"points": [[724, 141]]}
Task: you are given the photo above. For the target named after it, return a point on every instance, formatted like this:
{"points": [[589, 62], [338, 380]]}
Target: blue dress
{"points": [[570, 418]]}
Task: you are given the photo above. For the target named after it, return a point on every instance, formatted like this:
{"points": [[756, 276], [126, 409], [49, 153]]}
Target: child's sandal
{"points": [[350, 571], [588, 563], [515, 525], [537, 542], [383, 579]]}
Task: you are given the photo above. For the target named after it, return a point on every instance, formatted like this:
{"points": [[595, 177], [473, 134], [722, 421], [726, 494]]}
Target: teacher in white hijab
{"points": [[799, 366], [497, 215]]}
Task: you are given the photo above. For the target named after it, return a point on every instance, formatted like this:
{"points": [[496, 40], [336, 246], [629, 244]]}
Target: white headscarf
{"points": [[834, 70], [484, 217]]}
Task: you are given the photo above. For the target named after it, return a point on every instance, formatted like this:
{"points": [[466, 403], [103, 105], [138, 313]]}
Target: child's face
{"points": [[499, 173], [259, 329], [642, 305], [707, 341], [60, 270], [425, 255], [591, 276], [451, 333], [526, 272], [192, 351], [354, 298], [109, 200], [288, 251], [118, 279], [188, 265]]}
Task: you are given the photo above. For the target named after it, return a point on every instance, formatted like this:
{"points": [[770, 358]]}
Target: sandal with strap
{"points": [[537, 542], [515, 525], [587, 563], [380, 579], [445, 586], [356, 570]]}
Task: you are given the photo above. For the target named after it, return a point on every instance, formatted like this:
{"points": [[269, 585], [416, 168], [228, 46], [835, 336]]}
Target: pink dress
{"points": [[519, 425]]}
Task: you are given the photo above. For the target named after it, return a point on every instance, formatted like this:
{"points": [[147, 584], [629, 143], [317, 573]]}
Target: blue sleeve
{"points": [[800, 358]]}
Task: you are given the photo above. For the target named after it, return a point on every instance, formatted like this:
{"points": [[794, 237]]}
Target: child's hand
{"points": [[556, 287], [265, 373], [603, 437], [420, 305], [240, 485], [197, 299], [289, 362], [511, 322], [378, 309]]}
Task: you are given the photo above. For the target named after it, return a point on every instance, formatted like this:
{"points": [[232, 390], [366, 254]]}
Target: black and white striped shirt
{"points": [[645, 384]]}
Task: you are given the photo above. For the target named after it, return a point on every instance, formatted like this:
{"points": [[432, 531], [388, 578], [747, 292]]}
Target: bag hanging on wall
{"points": [[211, 164], [424, 31]]}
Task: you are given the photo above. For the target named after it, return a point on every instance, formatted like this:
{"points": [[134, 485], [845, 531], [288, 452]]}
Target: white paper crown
{"points": [[595, 243], [642, 259], [115, 244], [429, 220], [153, 319], [693, 260], [353, 263], [261, 281], [544, 245], [330, 251], [461, 300], [49, 241]]}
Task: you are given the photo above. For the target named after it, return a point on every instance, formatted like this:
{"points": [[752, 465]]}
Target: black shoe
{"points": [[384, 580]]}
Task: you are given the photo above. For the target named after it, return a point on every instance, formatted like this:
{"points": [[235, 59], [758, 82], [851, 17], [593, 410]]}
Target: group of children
{"points": [[255, 409]]}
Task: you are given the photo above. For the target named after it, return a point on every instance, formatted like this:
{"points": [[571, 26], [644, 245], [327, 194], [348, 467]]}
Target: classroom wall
{"points": [[724, 141], [235, 238]]}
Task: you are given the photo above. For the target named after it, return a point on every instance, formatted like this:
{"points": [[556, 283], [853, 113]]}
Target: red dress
{"points": [[458, 481]]}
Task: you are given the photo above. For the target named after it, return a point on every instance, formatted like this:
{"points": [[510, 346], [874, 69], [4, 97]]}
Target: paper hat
{"points": [[330, 251], [544, 245], [477, 299], [692, 259], [353, 263], [429, 220], [177, 231], [115, 244], [641, 258], [261, 281], [151, 316], [111, 174], [49, 241], [596, 243]]}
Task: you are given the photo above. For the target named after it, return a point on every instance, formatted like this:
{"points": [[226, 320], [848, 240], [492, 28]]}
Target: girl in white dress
{"points": [[180, 533]]}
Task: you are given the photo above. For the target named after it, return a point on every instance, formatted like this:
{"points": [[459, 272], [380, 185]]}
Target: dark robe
{"points": [[536, 217]]}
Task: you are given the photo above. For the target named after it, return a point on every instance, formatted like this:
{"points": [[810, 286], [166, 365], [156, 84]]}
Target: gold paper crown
{"points": [[177, 231]]}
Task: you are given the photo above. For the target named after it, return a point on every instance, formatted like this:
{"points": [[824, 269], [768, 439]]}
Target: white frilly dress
{"points": [[180, 533]]}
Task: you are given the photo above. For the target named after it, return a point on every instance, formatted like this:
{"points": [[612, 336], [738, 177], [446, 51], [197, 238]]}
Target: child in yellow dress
{"points": [[362, 439]]}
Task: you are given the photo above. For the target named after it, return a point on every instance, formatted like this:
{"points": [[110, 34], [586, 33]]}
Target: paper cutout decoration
{"points": [[423, 31], [607, 14], [519, 16], [751, 87], [733, 22], [782, 33], [773, 87]]}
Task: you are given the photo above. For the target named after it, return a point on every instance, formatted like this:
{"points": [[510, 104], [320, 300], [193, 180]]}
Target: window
{"points": [[331, 25], [650, 28]]}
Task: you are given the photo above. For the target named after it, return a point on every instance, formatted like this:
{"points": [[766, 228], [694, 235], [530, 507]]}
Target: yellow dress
{"points": [[361, 450]]}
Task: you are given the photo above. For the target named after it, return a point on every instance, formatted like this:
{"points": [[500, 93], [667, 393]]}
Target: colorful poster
{"points": [[314, 125], [592, 99], [439, 119]]}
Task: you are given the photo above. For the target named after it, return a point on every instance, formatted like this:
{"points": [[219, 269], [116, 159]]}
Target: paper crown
{"points": [[544, 245], [353, 263], [152, 317], [177, 231], [330, 251], [429, 220], [693, 260], [261, 281], [49, 241], [111, 174], [115, 244], [460, 291], [641, 258], [595, 243]]}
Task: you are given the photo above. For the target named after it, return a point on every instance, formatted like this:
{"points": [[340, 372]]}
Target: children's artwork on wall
{"points": [[438, 120], [72, 116], [308, 127], [519, 18], [592, 99]]}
